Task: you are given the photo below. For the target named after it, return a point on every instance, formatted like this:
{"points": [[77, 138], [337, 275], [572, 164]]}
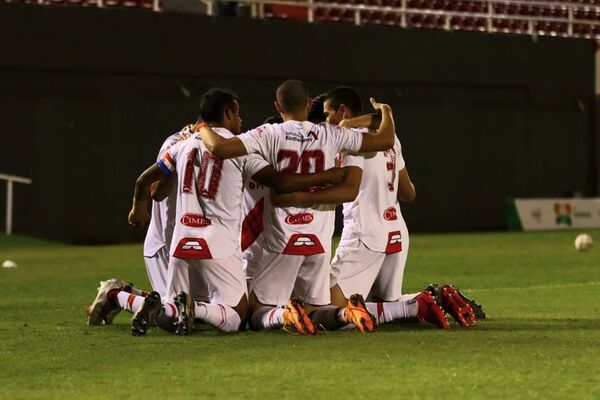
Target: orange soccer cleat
{"points": [[295, 317], [356, 313]]}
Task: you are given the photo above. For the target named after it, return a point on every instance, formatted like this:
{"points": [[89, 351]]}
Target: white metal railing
{"points": [[10, 179], [490, 15]]}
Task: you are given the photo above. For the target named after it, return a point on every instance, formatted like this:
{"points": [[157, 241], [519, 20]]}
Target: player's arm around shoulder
{"points": [[220, 146]]}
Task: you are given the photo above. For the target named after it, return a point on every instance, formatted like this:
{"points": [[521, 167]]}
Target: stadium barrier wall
{"points": [[88, 95]]}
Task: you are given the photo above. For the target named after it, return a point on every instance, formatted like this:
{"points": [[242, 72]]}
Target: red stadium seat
{"points": [[391, 18]]}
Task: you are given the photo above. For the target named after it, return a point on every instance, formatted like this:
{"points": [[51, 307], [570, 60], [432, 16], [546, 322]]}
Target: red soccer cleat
{"points": [[455, 305], [430, 311]]}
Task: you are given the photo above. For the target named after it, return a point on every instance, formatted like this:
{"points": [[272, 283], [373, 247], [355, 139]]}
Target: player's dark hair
{"points": [[347, 96], [292, 95], [215, 102], [274, 120], [316, 114]]}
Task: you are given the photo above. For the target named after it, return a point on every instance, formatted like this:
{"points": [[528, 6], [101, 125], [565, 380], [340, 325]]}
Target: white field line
{"points": [[556, 286]]}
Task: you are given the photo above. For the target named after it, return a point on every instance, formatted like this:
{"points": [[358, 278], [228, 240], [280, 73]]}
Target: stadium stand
{"points": [[569, 18]]}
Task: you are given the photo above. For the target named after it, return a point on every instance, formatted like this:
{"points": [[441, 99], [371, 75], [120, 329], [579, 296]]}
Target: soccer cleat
{"points": [[185, 309], [101, 309], [356, 313], [455, 305], [295, 317], [430, 311], [477, 309], [436, 292], [145, 317]]}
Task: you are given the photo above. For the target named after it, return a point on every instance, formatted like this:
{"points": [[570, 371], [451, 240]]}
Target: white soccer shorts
{"points": [[156, 267], [356, 269], [277, 277], [211, 281]]}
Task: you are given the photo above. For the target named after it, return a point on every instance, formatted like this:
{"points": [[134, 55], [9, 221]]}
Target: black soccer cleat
{"points": [[185, 308], [145, 317]]}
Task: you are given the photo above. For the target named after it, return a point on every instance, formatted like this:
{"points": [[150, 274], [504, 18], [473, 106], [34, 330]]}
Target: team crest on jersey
{"points": [[303, 245], [299, 219], [390, 214], [192, 248], [195, 220], [394, 244]]}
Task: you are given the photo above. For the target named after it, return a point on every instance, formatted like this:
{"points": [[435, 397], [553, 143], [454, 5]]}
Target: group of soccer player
{"points": [[242, 223]]}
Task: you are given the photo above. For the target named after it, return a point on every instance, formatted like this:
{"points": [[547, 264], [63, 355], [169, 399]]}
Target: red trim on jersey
{"points": [[192, 249], [252, 225], [394, 244], [303, 244]]}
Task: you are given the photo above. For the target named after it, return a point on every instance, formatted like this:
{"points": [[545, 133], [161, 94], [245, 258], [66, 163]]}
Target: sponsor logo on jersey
{"points": [[192, 248], [303, 245], [390, 214], [298, 137], [299, 219], [195, 220], [394, 244]]}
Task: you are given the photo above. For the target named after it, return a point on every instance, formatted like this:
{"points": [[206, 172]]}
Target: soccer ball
{"points": [[583, 242]]}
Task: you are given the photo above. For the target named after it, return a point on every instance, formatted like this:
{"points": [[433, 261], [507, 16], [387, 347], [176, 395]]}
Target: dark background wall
{"points": [[88, 95]]}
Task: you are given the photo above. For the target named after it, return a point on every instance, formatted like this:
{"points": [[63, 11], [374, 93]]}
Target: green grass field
{"points": [[541, 341]]}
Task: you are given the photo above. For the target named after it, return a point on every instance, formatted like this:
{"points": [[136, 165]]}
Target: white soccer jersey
{"points": [[255, 200], [160, 229], [300, 147], [374, 216], [209, 198]]}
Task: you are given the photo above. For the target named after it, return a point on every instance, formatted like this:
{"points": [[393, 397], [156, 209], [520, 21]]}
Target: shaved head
{"points": [[292, 95]]}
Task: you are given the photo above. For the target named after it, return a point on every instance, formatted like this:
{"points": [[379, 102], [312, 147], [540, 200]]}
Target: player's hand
{"points": [[138, 217], [379, 106]]}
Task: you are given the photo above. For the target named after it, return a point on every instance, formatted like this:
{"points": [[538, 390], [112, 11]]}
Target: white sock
{"points": [[170, 311], [393, 311], [267, 318], [222, 317], [129, 301]]}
